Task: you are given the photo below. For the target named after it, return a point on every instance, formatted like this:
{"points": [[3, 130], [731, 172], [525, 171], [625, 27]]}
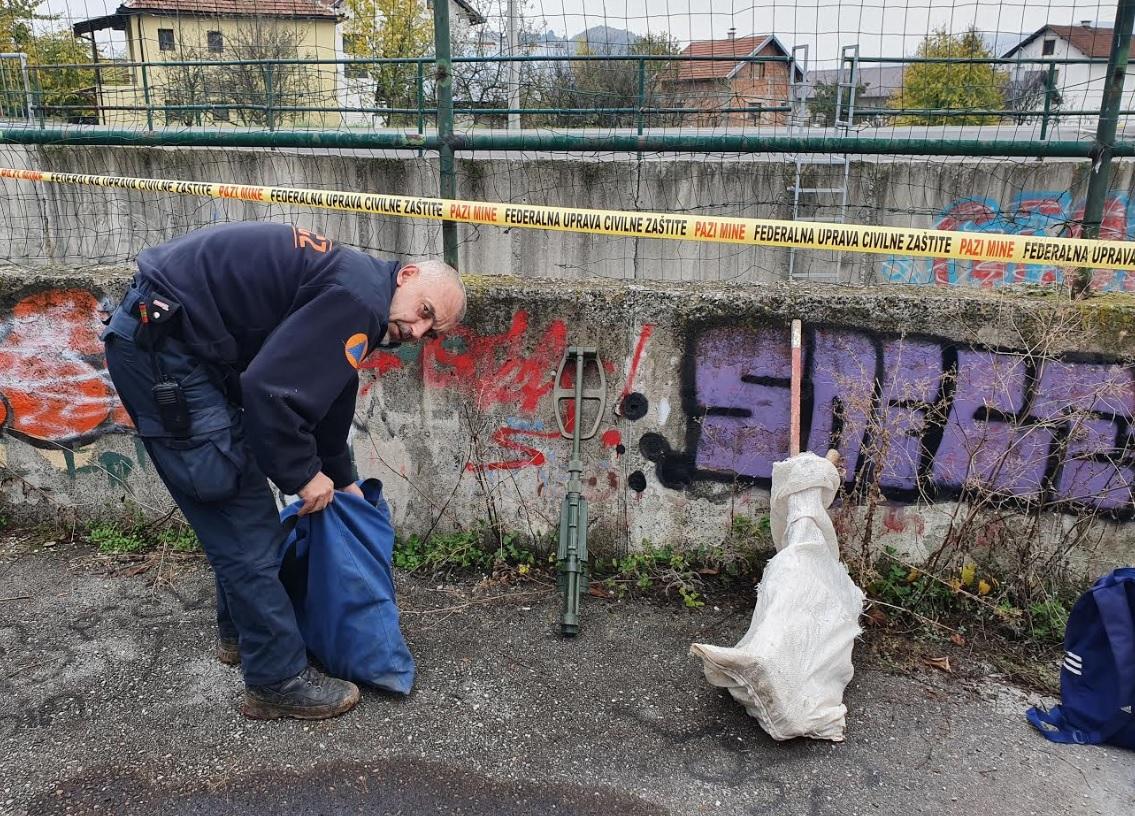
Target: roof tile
{"points": [[715, 69], [1094, 42], [268, 8]]}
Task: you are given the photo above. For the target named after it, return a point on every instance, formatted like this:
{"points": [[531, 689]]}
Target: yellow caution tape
{"points": [[985, 246]]}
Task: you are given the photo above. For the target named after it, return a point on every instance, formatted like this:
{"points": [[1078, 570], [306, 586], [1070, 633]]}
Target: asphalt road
{"points": [[111, 702]]}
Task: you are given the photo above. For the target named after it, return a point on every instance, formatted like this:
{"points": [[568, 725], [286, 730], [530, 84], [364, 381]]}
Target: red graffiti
{"points": [[612, 438], [1113, 227], [53, 385], [643, 336], [494, 369], [378, 363], [381, 362], [504, 437], [898, 520], [964, 212]]}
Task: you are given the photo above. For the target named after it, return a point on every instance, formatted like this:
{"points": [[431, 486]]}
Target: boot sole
{"points": [[259, 710]]}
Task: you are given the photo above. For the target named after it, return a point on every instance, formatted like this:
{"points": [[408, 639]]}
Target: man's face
{"points": [[421, 309]]}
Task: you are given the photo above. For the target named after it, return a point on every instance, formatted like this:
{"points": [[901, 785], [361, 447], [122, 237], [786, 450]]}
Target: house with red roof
{"points": [[202, 31], [734, 79], [1080, 85]]}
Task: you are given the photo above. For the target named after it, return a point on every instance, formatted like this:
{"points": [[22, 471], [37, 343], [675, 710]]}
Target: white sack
{"points": [[791, 667]]}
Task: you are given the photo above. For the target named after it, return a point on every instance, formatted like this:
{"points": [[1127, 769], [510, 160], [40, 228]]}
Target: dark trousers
{"points": [[213, 477]]}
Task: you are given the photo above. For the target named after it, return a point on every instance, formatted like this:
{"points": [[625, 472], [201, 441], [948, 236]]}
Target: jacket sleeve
{"points": [[331, 436], [303, 379]]}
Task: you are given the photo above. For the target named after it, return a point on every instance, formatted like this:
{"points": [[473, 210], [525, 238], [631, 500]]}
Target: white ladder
{"points": [[831, 197]]}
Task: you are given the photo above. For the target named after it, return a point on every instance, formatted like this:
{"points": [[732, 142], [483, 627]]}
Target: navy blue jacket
{"points": [[293, 314]]}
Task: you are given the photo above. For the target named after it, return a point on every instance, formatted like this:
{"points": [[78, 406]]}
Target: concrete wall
{"points": [[925, 393], [79, 226]]}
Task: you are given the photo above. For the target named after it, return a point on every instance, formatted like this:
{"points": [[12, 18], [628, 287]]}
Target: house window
{"points": [[165, 39], [1048, 49], [216, 41], [758, 70], [353, 44]]}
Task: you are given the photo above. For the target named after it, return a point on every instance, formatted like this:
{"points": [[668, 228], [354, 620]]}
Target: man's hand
{"points": [[353, 489], [316, 494]]}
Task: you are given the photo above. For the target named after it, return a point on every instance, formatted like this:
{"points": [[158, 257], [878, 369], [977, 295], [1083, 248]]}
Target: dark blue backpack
{"points": [[336, 567], [1097, 679]]}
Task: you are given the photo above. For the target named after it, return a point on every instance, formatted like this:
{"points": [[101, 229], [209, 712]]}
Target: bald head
{"points": [[429, 300]]}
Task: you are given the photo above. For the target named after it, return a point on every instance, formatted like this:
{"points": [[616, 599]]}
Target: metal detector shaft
{"points": [[571, 557]]}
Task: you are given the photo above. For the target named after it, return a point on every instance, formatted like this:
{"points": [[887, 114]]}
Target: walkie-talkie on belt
{"points": [[173, 407]]}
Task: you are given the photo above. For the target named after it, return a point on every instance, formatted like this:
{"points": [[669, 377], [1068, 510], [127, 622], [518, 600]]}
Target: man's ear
{"points": [[405, 273]]}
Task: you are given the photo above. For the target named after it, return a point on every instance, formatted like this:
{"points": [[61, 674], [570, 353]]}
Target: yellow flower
{"points": [[983, 587], [969, 571]]}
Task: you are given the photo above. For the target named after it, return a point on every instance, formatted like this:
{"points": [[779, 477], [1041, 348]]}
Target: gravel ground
{"points": [[111, 702]]}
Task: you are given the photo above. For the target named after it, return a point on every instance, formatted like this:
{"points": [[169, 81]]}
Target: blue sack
{"points": [[1097, 679], [336, 567]]}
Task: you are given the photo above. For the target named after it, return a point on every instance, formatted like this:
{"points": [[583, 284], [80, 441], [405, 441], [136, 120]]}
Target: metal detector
{"points": [[571, 558]]}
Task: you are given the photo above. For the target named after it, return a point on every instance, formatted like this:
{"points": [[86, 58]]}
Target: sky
{"points": [[879, 27]]}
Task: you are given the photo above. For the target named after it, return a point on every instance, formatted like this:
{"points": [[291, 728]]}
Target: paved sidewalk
{"points": [[112, 703]]}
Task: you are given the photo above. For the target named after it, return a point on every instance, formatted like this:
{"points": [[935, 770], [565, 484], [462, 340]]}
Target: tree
{"points": [[386, 29], [244, 92], [1028, 91], [822, 106], [188, 84], [951, 86], [15, 19], [56, 90], [610, 84], [255, 87], [484, 84], [62, 89]]}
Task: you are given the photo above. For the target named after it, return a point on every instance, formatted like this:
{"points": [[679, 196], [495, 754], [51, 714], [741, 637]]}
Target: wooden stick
{"points": [[794, 419]]}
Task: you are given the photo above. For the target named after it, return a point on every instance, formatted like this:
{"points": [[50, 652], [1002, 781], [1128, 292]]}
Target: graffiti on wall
{"points": [[497, 369], [1041, 212], [921, 417], [54, 389]]}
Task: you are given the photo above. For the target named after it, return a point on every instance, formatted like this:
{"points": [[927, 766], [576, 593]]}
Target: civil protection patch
{"points": [[356, 349]]}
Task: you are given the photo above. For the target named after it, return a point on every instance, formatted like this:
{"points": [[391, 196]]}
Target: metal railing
{"points": [[33, 97], [142, 84]]}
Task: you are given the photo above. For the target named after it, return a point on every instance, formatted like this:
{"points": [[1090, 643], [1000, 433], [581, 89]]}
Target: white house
{"points": [[1081, 85]]}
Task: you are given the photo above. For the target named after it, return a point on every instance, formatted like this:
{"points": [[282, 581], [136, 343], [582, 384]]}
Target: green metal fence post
{"points": [[1105, 132], [639, 115], [269, 79], [443, 66], [146, 98], [1049, 92], [421, 101], [35, 98]]}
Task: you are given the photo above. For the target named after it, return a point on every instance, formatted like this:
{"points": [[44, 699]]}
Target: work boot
{"points": [[228, 651], [310, 695]]}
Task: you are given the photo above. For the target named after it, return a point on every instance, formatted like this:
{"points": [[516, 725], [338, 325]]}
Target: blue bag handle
{"points": [[1052, 725]]}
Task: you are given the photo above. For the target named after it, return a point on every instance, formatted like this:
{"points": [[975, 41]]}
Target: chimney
{"points": [[731, 33]]}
